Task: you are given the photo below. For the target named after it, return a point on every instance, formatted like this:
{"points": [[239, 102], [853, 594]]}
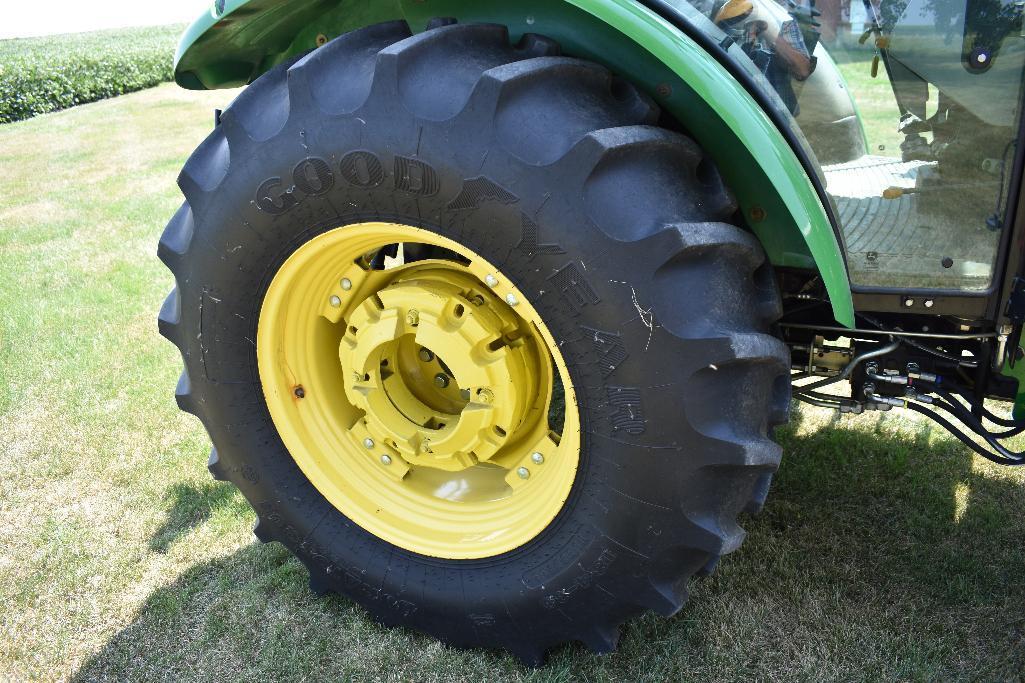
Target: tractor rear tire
{"points": [[619, 233]]}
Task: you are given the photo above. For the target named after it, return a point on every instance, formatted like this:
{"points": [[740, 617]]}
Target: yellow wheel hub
{"points": [[418, 398]]}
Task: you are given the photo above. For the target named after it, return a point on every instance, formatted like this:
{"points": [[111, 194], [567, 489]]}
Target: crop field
{"points": [[886, 550], [40, 75]]}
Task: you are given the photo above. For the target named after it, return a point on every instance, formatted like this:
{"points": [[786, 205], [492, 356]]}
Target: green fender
{"points": [[237, 40]]}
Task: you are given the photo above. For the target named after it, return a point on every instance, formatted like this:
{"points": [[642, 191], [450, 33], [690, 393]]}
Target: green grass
{"points": [[886, 550], [40, 75], [873, 97]]}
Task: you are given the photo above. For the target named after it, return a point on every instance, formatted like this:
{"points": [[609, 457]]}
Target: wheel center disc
{"points": [[425, 399], [450, 415]]}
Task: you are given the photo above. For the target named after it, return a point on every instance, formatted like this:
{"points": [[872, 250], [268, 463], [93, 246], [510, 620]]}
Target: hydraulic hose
{"points": [[961, 391], [956, 409], [921, 347], [1002, 457], [821, 403], [946, 402], [989, 415]]}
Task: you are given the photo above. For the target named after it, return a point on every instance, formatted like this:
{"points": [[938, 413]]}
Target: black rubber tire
{"points": [[617, 230]]}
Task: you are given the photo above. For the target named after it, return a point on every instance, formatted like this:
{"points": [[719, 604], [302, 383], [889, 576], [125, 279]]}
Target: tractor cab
{"points": [[911, 110]]}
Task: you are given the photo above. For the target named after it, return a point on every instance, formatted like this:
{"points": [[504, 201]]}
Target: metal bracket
{"points": [[1015, 310]]}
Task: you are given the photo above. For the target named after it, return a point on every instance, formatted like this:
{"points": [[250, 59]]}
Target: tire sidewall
{"points": [[641, 461]]}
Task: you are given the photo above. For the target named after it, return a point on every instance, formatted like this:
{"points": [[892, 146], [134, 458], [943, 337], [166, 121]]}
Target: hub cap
{"points": [[418, 398]]}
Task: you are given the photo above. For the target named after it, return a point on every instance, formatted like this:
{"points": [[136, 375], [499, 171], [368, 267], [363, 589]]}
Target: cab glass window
{"points": [[911, 109]]}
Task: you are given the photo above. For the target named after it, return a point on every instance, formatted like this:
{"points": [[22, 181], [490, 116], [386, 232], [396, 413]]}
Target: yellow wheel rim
{"points": [[418, 398]]}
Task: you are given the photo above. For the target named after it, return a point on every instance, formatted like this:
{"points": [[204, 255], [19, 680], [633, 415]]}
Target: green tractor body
{"points": [[830, 192]]}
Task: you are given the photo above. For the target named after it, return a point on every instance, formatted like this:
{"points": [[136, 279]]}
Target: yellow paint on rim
{"points": [[416, 398]]}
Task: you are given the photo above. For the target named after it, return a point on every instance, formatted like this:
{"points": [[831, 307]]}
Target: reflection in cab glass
{"points": [[911, 109]]}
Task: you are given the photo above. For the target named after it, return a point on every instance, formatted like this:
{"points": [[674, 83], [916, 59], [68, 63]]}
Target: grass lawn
{"points": [[886, 549], [873, 97]]}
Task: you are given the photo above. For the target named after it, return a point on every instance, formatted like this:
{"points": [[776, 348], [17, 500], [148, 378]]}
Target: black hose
{"points": [[921, 347], [820, 396], [959, 411], [1016, 426], [817, 402], [1002, 457], [941, 389], [1009, 459], [989, 437], [989, 415], [946, 402], [849, 368]]}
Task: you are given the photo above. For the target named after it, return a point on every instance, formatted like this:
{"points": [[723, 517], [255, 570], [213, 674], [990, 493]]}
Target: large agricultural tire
{"points": [[615, 233]]}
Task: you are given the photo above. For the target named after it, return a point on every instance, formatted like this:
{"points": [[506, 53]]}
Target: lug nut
{"points": [[335, 301], [385, 459], [346, 284], [368, 442], [485, 395], [523, 472], [426, 355], [511, 299], [413, 317], [538, 459], [441, 380], [491, 280], [299, 392]]}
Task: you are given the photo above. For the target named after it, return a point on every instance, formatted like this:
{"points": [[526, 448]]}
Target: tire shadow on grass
{"points": [[189, 506], [883, 552]]}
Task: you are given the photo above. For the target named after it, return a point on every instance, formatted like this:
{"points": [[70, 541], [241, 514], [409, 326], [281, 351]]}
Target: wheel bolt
{"points": [[385, 459], [511, 299], [335, 301], [426, 355], [523, 472], [346, 284], [538, 459], [368, 442], [441, 380], [491, 280]]}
